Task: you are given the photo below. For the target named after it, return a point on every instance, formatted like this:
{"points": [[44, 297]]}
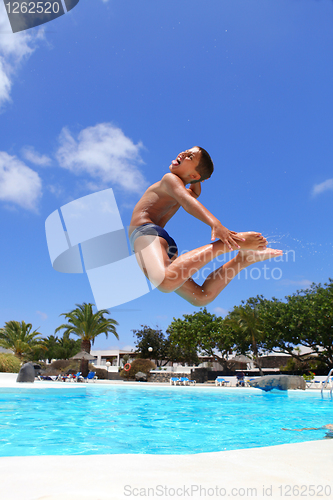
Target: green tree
{"points": [[152, 338], [52, 347], [163, 350], [277, 319], [87, 325], [51, 344], [19, 338], [246, 323], [182, 354], [306, 318], [314, 323], [67, 347], [204, 333]]}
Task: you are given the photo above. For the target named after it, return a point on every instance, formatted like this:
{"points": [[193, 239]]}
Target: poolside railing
{"points": [[328, 380]]}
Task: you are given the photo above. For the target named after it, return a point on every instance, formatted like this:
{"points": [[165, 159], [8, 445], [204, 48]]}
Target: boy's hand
{"points": [[227, 237]]}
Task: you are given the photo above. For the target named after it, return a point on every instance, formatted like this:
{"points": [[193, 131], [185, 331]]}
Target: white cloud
{"points": [[115, 347], [324, 186], [104, 153], [31, 155], [42, 315], [220, 311], [5, 83], [55, 189], [128, 348], [19, 184], [14, 48], [305, 283]]}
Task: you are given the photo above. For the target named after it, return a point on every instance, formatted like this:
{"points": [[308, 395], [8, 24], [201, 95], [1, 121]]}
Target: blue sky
{"points": [[108, 95]]}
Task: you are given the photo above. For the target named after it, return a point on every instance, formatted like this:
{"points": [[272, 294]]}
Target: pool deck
{"points": [[270, 472]]}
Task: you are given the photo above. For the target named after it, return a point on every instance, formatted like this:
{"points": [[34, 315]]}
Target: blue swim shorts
{"points": [[154, 230]]}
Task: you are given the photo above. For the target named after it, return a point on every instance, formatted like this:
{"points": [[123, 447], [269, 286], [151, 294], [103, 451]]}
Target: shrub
{"points": [[100, 373], [61, 366], [9, 363], [309, 376], [294, 364], [138, 365]]}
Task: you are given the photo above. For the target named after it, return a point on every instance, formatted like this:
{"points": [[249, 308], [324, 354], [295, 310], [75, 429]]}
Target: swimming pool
{"points": [[116, 419]]}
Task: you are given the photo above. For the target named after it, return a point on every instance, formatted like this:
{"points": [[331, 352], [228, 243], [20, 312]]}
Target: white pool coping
{"points": [[269, 472]]}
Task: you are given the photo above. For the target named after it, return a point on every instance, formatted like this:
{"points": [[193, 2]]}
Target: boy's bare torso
{"points": [[156, 206]]}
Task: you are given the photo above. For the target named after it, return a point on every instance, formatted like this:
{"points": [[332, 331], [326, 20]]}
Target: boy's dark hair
{"points": [[205, 167]]}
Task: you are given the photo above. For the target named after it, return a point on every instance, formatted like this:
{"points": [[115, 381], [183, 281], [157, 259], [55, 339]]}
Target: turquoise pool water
{"points": [[176, 420]]}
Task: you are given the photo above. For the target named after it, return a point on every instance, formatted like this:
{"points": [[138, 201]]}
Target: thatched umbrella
{"points": [[85, 357], [241, 359]]}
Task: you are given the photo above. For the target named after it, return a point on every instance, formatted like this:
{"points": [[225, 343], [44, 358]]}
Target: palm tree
{"points": [[68, 347], [51, 344], [87, 325], [18, 337]]}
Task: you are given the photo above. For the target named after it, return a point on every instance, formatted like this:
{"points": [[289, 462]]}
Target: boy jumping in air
{"points": [[157, 252]]}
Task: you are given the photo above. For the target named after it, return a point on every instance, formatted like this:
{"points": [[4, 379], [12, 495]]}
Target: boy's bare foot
{"points": [[253, 241], [248, 257]]}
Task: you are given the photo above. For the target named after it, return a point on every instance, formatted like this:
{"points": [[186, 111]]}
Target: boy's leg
{"points": [[167, 275], [201, 295]]}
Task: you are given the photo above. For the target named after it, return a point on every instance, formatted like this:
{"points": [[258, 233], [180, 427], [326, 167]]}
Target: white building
{"points": [[113, 356]]}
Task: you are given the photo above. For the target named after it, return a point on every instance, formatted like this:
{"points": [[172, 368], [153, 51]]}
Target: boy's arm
{"points": [[175, 188], [194, 190]]}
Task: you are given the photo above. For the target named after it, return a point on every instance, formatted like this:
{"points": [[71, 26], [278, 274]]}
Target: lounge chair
{"points": [[65, 377], [247, 382], [48, 377], [175, 381], [240, 380], [70, 378], [187, 381], [90, 376], [221, 381]]}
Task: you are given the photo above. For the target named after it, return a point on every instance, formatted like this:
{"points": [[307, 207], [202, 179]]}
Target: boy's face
{"points": [[184, 166]]}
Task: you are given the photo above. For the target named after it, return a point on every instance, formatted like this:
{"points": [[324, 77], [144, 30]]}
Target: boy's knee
{"points": [[202, 299], [171, 281], [167, 286], [203, 302]]}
